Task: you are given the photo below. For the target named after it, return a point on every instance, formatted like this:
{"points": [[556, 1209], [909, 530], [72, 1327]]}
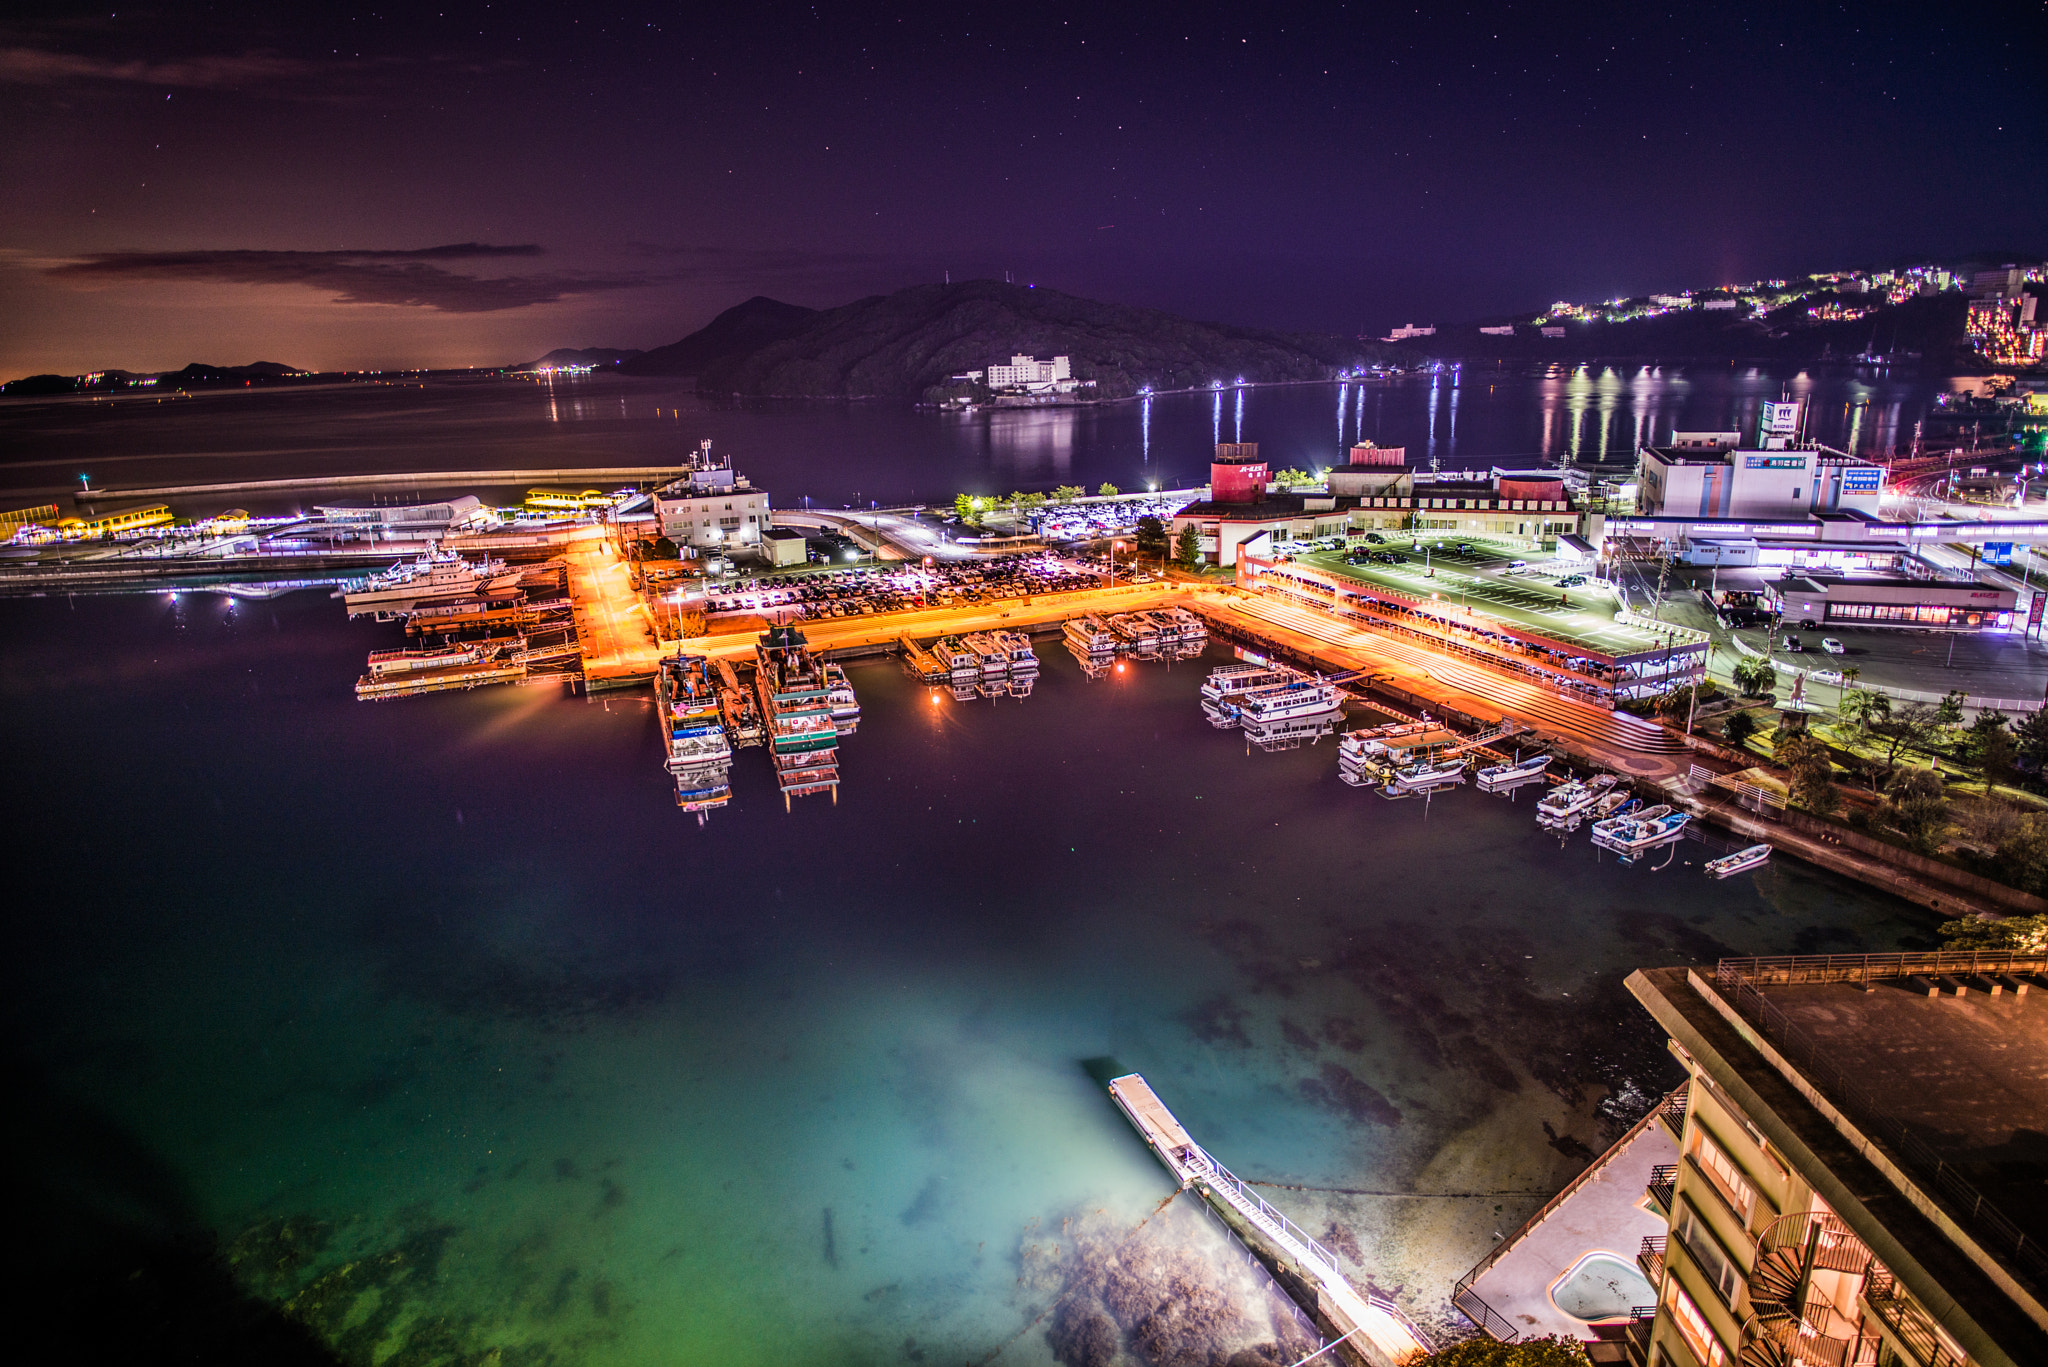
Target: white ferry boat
{"points": [[1735, 863], [437, 577], [1496, 777], [990, 658], [1017, 645], [1227, 682], [1090, 635], [1299, 698], [1290, 733], [1179, 626]]}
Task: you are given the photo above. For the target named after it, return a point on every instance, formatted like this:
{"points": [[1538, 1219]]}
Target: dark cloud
{"points": [[406, 278], [40, 66]]}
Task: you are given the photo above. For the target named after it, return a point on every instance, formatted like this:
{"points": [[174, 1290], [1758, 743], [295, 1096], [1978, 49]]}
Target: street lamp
{"points": [[1114, 547]]}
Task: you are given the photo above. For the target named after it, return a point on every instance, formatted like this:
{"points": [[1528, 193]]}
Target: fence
{"points": [[1739, 978]]}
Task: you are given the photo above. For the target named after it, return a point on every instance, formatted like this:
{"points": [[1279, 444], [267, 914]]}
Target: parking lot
{"points": [[902, 586], [1484, 578]]}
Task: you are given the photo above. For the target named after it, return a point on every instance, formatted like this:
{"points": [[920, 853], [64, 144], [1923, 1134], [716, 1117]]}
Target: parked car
{"points": [[1516, 567], [1791, 643], [1375, 538], [1832, 646]]}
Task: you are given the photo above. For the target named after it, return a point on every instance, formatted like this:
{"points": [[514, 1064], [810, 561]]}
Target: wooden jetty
{"points": [[1369, 1329]]}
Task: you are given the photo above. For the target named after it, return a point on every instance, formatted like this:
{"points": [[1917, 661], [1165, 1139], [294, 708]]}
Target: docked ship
{"points": [[1630, 836], [438, 577], [1134, 631], [796, 712], [692, 723], [1178, 626], [1497, 778], [1017, 646], [1283, 702], [990, 658], [1090, 635], [1227, 682], [1288, 733], [1423, 776], [840, 697], [736, 704], [1567, 804], [957, 658]]}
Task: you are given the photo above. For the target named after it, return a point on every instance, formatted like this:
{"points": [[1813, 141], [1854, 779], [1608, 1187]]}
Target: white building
{"points": [[1030, 373], [712, 506], [1403, 333]]}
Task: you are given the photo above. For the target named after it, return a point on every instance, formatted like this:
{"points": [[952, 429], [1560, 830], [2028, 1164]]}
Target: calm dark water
{"points": [[454, 1035], [845, 453]]}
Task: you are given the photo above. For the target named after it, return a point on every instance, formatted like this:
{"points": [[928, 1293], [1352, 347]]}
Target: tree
{"points": [[1754, 677], [1030, 503], [1949, 711], [1813, 772], [1151, 537], [2020, 934], [1861, 710], [1067, 493], [1916, 807], [968, 508], [1740, 727], [664, 549], [1910, 727], [2030, 740], [1552, 1351], [1188, 550], [1850, 674], [1107, 490]]}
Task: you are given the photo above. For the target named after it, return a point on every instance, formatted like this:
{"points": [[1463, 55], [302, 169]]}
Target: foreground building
{"points": [[1855, 1172], [713, 506]]}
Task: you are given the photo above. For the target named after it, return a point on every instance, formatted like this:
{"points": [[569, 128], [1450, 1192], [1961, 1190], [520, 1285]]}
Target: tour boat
{"points": [[436, 577], [1015, 644], [796, 710], [1180, 625], [1134, 631], [1226, 682], [703, 788], [1300, 698], [1498, 776], [961, 660], [1090, 635], [1735, 863], [692, 725], [1289, 733], [990, 659]]}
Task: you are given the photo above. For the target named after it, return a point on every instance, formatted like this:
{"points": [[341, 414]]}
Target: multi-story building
{"points": [[712, 506], [1030, 373], [1852, 1176]]}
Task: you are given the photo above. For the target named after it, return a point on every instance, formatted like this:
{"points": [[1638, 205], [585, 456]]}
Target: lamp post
{"points": [[1114, 547]]}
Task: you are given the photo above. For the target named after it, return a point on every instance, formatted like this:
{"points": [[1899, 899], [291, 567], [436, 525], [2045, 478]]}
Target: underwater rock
{"points": [[1219, 1021], [1082, 1336], [1339, 1089], [268, 1258]]}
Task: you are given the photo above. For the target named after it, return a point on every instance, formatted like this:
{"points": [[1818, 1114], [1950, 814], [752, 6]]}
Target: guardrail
{"points": [[1739, 978]]}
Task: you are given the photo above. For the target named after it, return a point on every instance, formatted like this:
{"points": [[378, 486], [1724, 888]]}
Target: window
{"points": [[1706, 1250], [1725, 1174], [1693, 1326]]}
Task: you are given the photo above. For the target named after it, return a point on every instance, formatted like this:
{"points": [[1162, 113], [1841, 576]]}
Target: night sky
{"points": [[476, 184]]}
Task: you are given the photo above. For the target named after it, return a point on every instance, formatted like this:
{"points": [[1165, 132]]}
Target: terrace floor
{"points": [[1607, 1214]]}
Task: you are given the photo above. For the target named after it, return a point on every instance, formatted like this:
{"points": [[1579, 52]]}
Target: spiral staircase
{"points": [[1783, 1329]]}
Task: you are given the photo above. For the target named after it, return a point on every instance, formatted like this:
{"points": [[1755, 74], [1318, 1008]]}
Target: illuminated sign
{"points": [[1780, 419], [1775, 462], [1862, 479]]}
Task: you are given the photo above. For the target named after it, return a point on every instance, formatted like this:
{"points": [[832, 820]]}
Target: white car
{"points": [[1832, 646]]}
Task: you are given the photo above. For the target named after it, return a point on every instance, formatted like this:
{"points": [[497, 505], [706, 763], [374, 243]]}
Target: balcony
{"points": [[1671, 1113], [1650, 1258], [1641, 1321], [1663, 1182], [1907, 1322]]}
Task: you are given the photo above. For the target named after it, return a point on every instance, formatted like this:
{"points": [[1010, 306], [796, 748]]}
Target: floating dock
{"points": [[1372, 1328], [375, 688]]}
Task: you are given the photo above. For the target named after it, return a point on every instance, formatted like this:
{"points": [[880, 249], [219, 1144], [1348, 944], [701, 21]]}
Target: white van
{"points": [[1516, 567]]}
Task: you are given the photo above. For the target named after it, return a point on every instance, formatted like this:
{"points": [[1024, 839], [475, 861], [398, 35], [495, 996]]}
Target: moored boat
{"points": [[1632, 835], [1090, 635], [1498, 776], [692, 722], [437, 577], [1280, 702], [796, 711], [840, 697], [1735, 863]]}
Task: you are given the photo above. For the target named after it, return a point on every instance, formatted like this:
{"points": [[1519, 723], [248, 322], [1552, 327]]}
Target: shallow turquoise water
{"points": [[457, 1036]]}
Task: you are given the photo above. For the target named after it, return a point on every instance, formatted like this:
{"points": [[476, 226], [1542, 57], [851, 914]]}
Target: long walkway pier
{"points": [[1372, 1328]]}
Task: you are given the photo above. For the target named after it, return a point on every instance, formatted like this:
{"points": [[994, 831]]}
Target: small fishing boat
{"points": [[1496, 777], [1636, 834], [1735, 863], [1415, 778]]}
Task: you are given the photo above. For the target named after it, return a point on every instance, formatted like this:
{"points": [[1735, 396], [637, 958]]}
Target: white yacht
{"points": [[436, 578]]}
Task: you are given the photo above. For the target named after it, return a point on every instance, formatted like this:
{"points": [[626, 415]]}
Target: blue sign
{"points": [[1998, 552], [1862, 479]]}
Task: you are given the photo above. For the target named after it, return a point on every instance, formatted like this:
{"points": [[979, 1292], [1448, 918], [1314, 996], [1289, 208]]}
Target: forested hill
{"points": [[906, 344]]}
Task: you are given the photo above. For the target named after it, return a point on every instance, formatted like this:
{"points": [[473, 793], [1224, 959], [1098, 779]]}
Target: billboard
{"points": [[1779, 419]]}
